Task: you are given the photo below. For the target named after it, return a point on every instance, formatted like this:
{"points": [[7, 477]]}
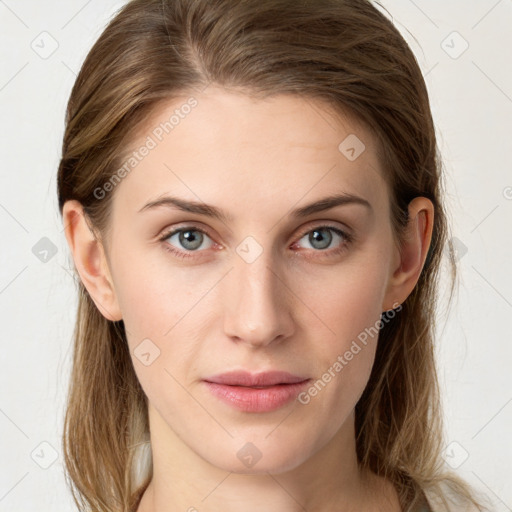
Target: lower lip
{"points": [[256, 399]]}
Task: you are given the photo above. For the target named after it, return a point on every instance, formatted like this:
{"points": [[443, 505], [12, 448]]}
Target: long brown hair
{"points": [[344, 52]]}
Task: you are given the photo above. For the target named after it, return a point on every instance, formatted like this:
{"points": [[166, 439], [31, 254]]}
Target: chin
{"points": [[259, 456]]}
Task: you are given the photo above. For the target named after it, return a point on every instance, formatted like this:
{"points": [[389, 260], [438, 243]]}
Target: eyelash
{"points": [[348, 239]]}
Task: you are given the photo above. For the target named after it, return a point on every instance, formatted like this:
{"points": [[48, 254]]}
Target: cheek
{"points": [[163, 313], [344, 342], [163, 305], [153, 295], [346, 300]]}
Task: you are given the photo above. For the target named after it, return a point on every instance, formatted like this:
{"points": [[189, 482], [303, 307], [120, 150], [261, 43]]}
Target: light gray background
{"points": [[471, 97]]}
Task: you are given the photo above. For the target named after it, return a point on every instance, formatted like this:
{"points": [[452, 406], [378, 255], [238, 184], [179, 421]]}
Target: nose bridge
{"points": [[256, 309]]}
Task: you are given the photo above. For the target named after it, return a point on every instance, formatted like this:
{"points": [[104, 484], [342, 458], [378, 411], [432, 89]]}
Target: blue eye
{"points": [[190, 239], [320, 238]]}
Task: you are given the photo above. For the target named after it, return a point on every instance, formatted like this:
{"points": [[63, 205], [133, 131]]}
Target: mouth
{"points": [[263, 392], [256, 380]]}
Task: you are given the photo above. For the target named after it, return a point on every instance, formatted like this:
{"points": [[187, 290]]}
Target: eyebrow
{"points": [[207, 210]]}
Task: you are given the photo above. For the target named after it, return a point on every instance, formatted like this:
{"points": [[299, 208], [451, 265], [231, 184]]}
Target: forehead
{"points": [[270, 153]]}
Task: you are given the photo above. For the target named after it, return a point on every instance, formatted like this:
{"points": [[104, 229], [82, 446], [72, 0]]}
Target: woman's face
{"points": [[256, 282]]}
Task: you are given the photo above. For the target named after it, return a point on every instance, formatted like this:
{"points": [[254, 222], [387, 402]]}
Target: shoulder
{"points": [[435, 501]]}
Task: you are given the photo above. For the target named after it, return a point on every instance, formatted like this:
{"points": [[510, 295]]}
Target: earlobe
{"points": [[412, 253], [90, 260]]}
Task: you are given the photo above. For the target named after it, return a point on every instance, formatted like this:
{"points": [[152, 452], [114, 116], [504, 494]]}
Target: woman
{"points": [[251, 192]]}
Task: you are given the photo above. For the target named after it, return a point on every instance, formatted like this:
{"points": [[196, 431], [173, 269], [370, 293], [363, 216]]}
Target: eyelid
{"points": [[182, 226], [166, 233], [315, 224]]}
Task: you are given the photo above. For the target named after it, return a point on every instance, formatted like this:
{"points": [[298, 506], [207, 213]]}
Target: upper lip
{"points": [[243, 378]]}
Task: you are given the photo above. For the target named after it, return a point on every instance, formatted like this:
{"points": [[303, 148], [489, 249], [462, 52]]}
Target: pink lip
{"points": [[261, 392]]}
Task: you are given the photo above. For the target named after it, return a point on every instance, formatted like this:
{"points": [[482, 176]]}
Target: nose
{"points": [[257, 303]]}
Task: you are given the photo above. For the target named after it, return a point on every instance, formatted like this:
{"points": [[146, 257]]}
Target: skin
{"points": [[293, 308]]}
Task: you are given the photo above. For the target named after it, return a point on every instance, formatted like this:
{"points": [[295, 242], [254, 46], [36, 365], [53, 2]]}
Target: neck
{"points": [[329, 480]]}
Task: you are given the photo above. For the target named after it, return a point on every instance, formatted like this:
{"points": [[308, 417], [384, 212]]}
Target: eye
{"points": [[190, 239], [187, 239], [322, 237]]}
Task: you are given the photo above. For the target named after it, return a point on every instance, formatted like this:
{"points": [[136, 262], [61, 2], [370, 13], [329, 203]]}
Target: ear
{"points": [[410, 258], [90, 260]]}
